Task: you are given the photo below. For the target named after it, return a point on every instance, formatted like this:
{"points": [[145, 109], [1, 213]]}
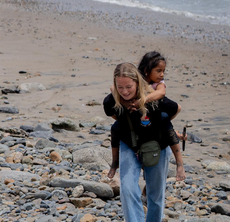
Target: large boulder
{"points": [[93, 158]]}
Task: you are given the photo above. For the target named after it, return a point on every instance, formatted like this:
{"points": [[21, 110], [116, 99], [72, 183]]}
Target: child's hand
{"points": [[134, 105], [180, 136], [180, 173]]}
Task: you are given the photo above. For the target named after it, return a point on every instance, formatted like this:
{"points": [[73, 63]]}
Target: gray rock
{"points": [[87, 124], [188, 168], [225, 184], [2, 160], [64, 123], [96, 132], [60, 194], [191, 137], [3, 148], [185, 194], [171, 173], [221, 208], [38, 161], [63, 152], [216, 165], [171, 214], [100, 189], [17, 175], [13, 166], [26, 128], [43, 127], [226, 139], [30, 87], [43, 143], [94, 158], [222, 195], [103, 127], [219, 218], [199, 220], [41, 194], [77, 217], [41, 134], [9, 109], [49, 218], [11, 89]]}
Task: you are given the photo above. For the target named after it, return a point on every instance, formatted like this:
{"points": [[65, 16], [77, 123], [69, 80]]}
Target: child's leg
{"points": [[115, 141], [173, 141], [166, 121]]}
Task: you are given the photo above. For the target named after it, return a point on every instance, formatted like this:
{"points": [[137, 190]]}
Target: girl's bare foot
{"points": [[112, 172]]}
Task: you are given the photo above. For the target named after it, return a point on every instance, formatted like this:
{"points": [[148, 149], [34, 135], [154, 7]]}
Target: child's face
{"points": [[157, 73], [126, 87]]}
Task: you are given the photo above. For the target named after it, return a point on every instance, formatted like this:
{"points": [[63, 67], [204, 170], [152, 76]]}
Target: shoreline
{"points": [[137, 20]]}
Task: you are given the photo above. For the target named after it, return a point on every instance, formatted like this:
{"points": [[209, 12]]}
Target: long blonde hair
{"points": [[130, 71]]}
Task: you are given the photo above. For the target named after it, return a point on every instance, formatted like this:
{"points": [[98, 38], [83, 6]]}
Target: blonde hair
{"points": [[130, 71]]}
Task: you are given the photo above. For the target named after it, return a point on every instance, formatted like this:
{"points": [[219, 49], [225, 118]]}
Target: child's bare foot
{"points": [[112, 172], [180, 173]]}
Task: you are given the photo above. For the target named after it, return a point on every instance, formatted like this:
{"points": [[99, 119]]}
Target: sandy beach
{"points": [[73, 55]]}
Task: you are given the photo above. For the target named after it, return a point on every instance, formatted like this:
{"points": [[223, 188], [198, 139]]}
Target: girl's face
{"points": [[157, 73], [126, 87]]}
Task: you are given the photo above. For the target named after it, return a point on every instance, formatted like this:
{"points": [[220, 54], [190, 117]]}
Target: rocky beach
{"points": [[56, 67]]}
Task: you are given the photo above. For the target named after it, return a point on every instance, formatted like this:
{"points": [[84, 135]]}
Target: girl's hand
{"points": [[180, 173], [180, 136], [134, 105]]}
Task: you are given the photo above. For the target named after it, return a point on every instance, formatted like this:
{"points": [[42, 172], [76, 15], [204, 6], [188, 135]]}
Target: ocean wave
{"points": [[222, 20]]}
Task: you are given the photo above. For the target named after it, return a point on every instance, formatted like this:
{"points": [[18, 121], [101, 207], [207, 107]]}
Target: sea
{"points": [[212, 11]]}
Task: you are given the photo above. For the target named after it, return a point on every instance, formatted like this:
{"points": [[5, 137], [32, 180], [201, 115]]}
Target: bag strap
{"points": [[134, 137]]}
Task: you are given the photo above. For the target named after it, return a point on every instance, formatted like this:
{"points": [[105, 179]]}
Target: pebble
{"points": [[49, 182]]}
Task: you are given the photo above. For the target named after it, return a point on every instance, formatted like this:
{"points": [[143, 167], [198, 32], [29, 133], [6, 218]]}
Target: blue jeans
{"points": [[130, 192]]}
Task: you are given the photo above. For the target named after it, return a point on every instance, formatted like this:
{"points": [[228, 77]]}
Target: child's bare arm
{"points": [[159, 93]]}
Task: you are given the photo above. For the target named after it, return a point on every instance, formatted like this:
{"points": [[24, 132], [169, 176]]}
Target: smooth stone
{"points": [[9, 109], [87, 124], [41, 134], [29, 87], [216, 165], [43, 127], [39, 195], [225, 184], [195, 139], [100, 189], [96, 132], [93, 158], [3, 148], [48, 218], [43, 143], [64, 123], [17, 175], [59, 194], [221, 208]]}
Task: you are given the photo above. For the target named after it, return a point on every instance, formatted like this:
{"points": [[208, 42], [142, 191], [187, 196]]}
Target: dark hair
{"points": [[149, 61]]}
